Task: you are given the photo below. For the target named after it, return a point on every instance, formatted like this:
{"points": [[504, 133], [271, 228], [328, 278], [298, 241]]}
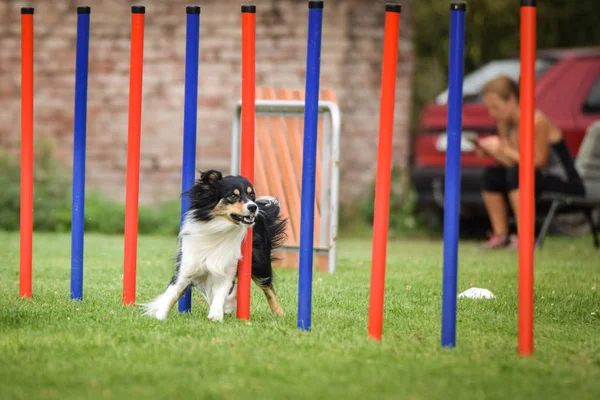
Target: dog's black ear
{"points": [[203, 194], [210, 176]]}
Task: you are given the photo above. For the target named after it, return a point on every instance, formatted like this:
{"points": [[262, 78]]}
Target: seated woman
{"points": [[554, 168]]}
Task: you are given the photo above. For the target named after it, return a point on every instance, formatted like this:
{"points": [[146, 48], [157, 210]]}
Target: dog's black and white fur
{"points": [[221, 211]]}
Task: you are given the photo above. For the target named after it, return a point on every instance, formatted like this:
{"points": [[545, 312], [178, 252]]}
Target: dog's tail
{"points": [[269, 223], [268, 235]]}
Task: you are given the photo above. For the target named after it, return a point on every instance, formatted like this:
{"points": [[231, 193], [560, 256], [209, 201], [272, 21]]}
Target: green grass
{"points": [[51, 347]]}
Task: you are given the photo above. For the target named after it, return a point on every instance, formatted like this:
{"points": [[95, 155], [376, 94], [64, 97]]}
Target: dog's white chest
{"points": [[212, 247]]}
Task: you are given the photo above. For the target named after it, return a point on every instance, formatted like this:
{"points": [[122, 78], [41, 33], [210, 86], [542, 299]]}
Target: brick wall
{"points": [[351, 65]]}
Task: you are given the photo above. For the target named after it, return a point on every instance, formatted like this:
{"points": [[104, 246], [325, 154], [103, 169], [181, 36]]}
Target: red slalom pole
{"points": [[384, 165], [247, 155], [25, 285], [526, 224], [133, 152]]}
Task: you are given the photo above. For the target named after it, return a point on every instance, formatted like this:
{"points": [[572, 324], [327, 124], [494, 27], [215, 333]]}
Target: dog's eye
{"points": [[252, 196], [232, 197]]}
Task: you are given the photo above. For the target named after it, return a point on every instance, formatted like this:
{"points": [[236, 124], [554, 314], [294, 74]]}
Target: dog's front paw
{"points": [[230, 305], [215, 315]]}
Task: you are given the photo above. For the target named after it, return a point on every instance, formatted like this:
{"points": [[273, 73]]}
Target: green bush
{"points": [[51, 195], [161, 220], [356, 219], [52, 201], [107, 216], [9, 195]]}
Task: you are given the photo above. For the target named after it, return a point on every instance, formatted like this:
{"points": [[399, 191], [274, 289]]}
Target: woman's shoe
{"points": [[513, 242], [495, 242]]}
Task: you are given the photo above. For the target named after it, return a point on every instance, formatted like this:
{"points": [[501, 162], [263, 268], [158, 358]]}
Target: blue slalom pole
{"points": [[190, 113], [307, 210], [452, 184], [79, 132]]}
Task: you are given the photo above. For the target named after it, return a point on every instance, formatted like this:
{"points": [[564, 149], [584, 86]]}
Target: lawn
{"points": [[53, 348]]}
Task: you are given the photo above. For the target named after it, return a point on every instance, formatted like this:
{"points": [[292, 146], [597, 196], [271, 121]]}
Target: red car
{"points": [[567, 91]]}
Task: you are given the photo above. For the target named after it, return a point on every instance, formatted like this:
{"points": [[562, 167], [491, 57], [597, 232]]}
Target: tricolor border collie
{"points": [[221, 211]]}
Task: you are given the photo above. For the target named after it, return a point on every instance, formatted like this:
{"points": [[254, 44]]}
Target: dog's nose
{"points": [[252, 207]]}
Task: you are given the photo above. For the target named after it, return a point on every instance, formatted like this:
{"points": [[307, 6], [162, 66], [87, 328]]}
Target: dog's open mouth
{"points": [[244, 219]]}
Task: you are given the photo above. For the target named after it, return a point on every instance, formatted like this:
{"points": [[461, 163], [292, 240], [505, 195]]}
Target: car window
{"points": [[592, 103], [473, 82]]}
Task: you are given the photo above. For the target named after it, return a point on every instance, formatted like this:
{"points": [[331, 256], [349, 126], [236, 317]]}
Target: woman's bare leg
{"points": [[496, 209]]}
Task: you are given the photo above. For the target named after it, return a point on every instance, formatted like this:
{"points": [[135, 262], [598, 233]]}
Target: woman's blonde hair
{"points": [[502, 85]]}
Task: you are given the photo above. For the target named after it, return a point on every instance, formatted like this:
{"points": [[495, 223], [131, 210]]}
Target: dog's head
{"points": [[230, 197]]}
